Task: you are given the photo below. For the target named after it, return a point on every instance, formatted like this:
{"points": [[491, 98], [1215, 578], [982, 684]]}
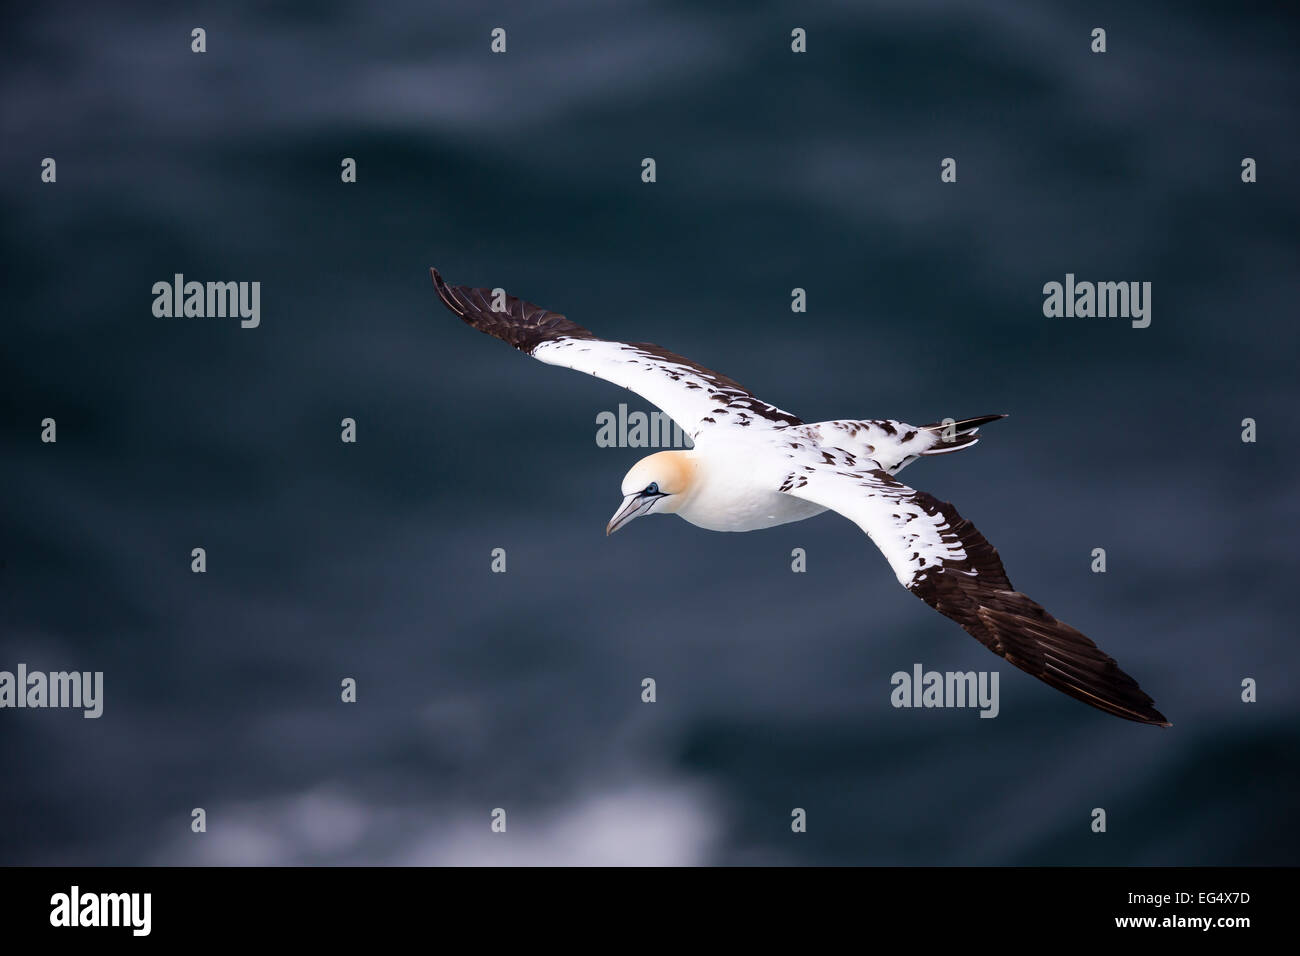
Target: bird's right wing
{"points": [[695, 397], [941, 558]]}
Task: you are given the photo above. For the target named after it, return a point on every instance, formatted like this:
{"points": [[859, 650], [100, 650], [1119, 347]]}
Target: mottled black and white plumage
{"points": [[756, 466], [692, 395]]}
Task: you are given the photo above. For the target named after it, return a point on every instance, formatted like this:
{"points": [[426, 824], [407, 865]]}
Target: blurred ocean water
{"points": [[522, 690]]}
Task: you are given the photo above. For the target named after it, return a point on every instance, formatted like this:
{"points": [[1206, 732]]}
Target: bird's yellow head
{"points": [[658, 484]]}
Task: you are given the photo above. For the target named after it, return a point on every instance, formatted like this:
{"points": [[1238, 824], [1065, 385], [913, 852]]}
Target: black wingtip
{"points": [[1153, 718], [962, 426], [445, 294]]}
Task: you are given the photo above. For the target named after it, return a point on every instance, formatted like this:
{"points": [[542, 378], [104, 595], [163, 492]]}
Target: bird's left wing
{"points": [[941, 558], [695, 397]]}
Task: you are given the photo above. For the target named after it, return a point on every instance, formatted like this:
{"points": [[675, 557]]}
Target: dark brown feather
{"points": [[521, 324], [1018, 629]]}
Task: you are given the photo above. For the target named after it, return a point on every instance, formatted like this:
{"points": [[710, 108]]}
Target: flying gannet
{"points": [[755, 466]]}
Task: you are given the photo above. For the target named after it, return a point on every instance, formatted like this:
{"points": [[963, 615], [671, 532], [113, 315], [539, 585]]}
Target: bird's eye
{"points": [[651, 489]]}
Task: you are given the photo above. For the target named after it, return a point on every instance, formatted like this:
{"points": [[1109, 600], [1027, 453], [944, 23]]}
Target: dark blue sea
{"points": [[522, 691]]}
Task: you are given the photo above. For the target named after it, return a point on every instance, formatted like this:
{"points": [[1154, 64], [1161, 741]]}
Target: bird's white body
{"points": [[733, 488]]}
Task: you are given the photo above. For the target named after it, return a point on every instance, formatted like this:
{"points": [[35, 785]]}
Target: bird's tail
{"points": [[956, 435]]}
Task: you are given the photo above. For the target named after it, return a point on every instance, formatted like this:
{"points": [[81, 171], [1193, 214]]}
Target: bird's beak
{"points": [[633, 506]]}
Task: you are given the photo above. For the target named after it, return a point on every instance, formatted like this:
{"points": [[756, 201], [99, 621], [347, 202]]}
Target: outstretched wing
{"points": [[695, 397], [941, 558]]}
